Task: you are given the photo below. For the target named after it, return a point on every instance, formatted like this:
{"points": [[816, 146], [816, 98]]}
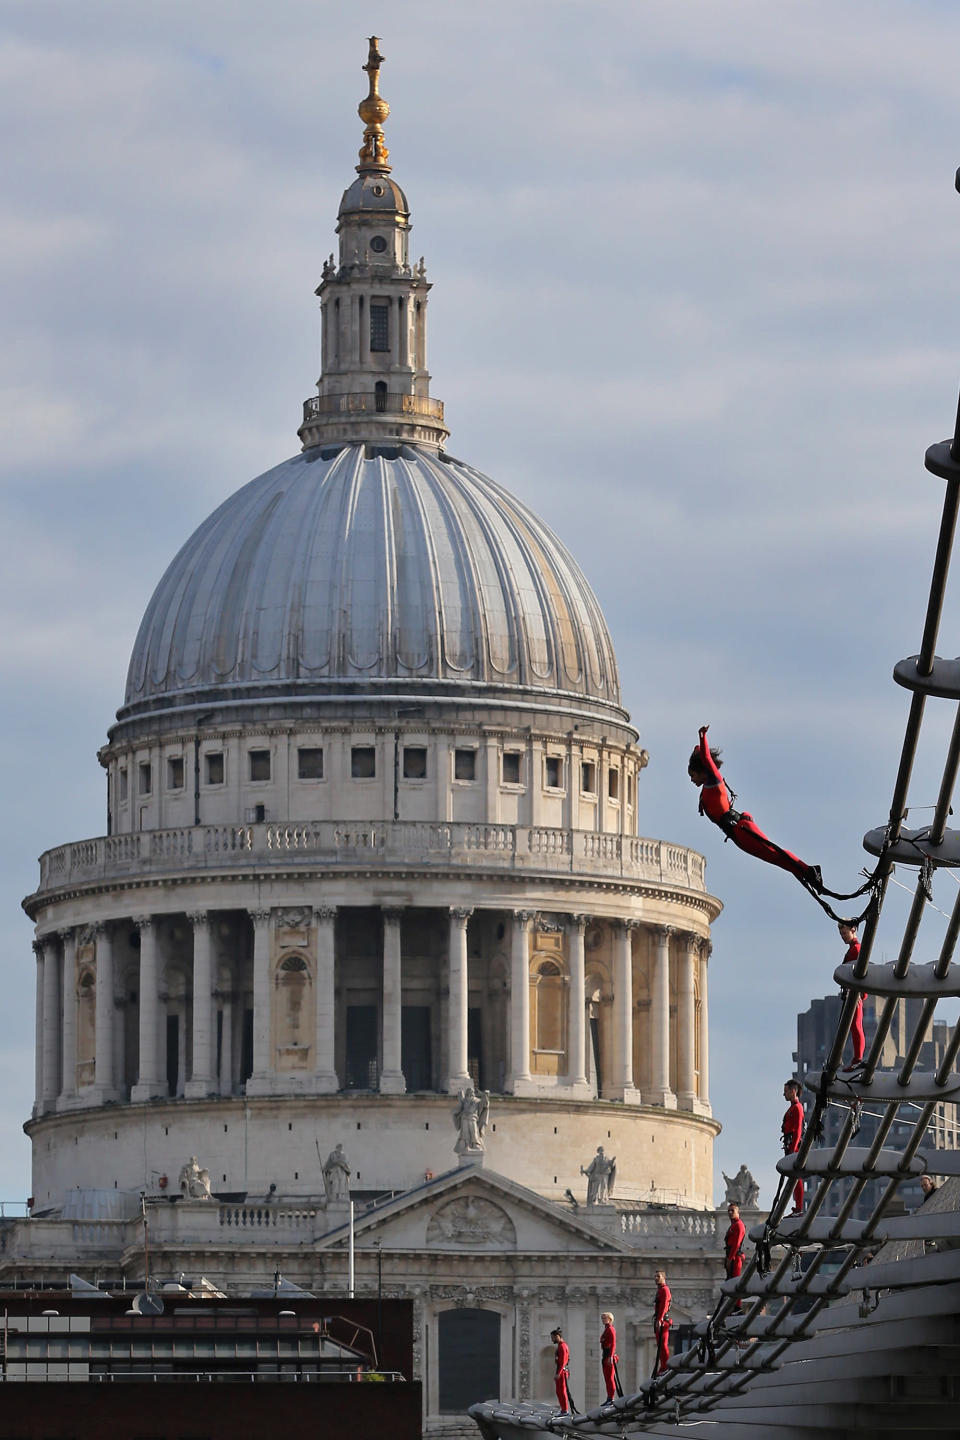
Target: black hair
{"points": [[696, 759], [558, 1331], [798, 1088]]}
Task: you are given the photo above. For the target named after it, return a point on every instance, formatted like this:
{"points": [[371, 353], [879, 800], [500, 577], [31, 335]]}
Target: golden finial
{"points": [[373, 110]]}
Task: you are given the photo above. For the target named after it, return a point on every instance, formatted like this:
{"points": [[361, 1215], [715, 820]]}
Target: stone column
{"points": [[52, 1041], [325, 1071], [149, 1083], [68, 1064], [104, 1066], [457, 981], [226, 1043], [705, 952], [260, 1081], [520, 1001], [623, 1011], [403, 331], [686, 1023], [201, 1082], [391, 1073], [576, 1017], [660, 1091], [38, 1037]]}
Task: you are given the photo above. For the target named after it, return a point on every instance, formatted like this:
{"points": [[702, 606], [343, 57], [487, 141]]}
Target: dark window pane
{"points": [[215, 768], [465, 764], [310, 764], [259, 764], [363, 762], [414, 762], [379, 327], [511, 767]]}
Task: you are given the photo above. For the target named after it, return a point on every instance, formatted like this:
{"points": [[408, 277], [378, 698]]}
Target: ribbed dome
{"points": [[383, 572]]}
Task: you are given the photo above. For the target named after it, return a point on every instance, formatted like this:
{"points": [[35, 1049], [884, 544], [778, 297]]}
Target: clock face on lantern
{"points": [[378, 244]]}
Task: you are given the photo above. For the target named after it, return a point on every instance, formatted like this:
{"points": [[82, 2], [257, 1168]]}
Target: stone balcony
{"points": [[332, 844]]}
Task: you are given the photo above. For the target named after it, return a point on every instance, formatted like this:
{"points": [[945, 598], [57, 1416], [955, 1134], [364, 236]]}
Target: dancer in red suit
{"points": [[792, 1129], [562, 1356], [662, 1321], [733, 1244], [608, 1353], [738, 826], [848, 934]]}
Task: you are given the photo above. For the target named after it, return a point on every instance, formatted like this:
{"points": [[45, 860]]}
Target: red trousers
{"points": [[749, 837], [734, 1269], [560, 1384], [662, 1332], [798, 1196], [608, 1380], [856, 1031]]}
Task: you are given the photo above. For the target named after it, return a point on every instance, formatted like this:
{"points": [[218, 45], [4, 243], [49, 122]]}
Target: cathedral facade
{"points": [[372, 887]]}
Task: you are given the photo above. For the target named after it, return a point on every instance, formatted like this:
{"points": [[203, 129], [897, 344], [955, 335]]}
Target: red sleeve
{"points": [[708, 762], [852, 953], [734, 1237], [663, 1303]]}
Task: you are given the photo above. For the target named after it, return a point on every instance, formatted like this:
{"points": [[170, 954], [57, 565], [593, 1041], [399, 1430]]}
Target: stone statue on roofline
{"points": [[470, 1119], [601, 1176], [742, 1189], [194, 1182], [336, 1176]]}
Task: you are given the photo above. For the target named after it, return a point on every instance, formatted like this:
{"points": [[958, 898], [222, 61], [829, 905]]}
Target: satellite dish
{"points": [[147, 1304]]}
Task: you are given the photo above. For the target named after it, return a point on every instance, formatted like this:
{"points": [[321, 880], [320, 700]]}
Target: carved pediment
{"points": [[471, 1221]]}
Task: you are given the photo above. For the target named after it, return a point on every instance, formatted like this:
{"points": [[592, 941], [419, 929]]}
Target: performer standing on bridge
{"points": [[848, 934], [608, 1353], [733, 1245], [704, 770], [792, 1131], [662, 1322], [562, 1372]]}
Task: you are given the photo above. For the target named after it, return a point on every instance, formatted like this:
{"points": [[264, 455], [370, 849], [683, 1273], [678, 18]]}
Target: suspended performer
{"points": [[737, 825], [848, 934], [792, 1132]]}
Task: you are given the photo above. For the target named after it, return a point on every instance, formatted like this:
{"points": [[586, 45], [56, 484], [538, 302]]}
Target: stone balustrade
{"points": [[673, 1229], [333, 843]]}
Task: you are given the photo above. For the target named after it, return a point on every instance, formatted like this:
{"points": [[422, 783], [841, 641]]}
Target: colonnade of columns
{"points": [[57, 1008]]}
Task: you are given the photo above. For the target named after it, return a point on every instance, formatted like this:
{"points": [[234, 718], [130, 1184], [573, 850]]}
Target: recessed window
{"points": [[414, 762], [378, 244], [464, 764], [379, 326], [259, 764], [310, 763], [123, 782], [363, 762], [145, 783], [175, 772], [511, 767], [588, 778], [554, 771], [629, 789], [214, 767], [613, 784]]}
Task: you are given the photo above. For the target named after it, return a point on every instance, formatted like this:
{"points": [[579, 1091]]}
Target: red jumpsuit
{"points": [[856, 1029], [609, 1358], [733, 1259], [560, 1376], [715, 804], [792, 1129], [662, 1324]]}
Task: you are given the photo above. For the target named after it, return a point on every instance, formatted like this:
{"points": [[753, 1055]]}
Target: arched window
{"points": [[548, 1017], [380, 391]]}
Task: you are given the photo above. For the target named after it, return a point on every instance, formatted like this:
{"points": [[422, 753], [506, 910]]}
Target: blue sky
{"points": [[696, 301]]}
